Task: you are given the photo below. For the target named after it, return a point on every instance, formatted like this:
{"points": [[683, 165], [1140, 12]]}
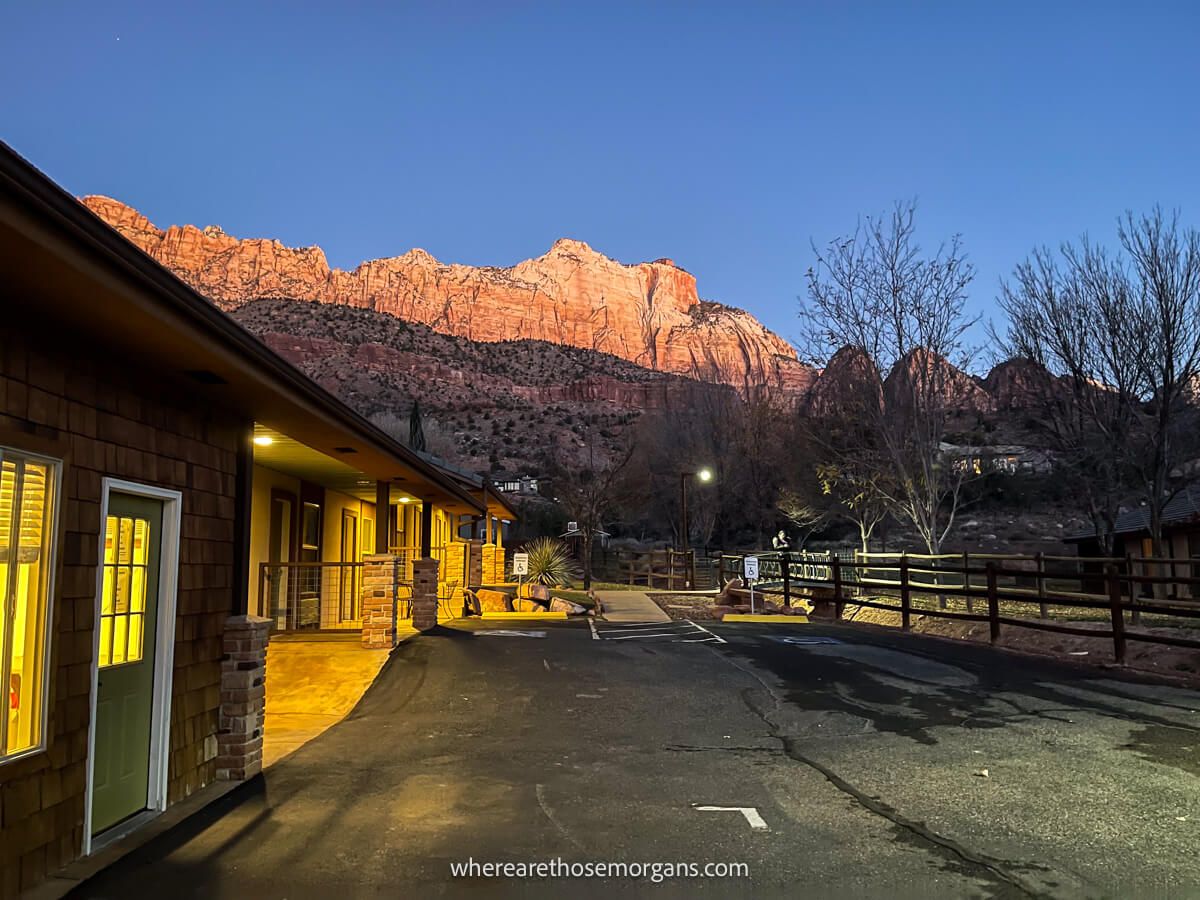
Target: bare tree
{"points": [[1119, 338], [590, 491], [858, 495], [1164, 280], [804, 513], [1069, 323], [903, 313]]}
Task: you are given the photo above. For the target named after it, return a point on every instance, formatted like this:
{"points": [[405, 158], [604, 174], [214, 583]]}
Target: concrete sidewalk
{"points": [[313, 684], [630, 606]]}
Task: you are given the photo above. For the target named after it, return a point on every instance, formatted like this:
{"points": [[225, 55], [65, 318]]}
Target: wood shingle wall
{"points": [[107, 417]]}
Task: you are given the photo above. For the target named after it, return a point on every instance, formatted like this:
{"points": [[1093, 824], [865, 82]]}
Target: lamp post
{"points": [[705, 475]]}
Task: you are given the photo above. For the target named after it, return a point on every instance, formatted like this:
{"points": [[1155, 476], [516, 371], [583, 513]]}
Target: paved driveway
{"points": [[861, 752]]}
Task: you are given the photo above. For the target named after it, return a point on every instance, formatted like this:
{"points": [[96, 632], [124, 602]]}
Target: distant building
{"points": [[508, 483], [1181, 531], [1003, 459]]}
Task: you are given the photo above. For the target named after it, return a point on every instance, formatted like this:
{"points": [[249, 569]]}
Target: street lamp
{"points": [[705, 475]]}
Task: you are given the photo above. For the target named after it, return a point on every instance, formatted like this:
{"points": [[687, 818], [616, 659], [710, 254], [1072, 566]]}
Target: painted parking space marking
{"points": [[510, 632], [783, 639], [683, 631], [753, 819]]}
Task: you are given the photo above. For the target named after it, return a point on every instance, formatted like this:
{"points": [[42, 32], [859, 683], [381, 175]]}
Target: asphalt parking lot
{"points": [[829, 761]]}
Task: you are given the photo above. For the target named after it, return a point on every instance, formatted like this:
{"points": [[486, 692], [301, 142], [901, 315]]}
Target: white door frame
{"points": [[164, 650]]}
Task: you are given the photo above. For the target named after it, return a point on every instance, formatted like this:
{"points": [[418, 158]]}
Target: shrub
{"points": [[550, 562]]}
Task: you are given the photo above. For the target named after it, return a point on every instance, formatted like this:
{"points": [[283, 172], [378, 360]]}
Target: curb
{"points": [[765, 618], [522, 615]]}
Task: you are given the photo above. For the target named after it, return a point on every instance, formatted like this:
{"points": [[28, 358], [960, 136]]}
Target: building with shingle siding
{"points": [[165, 481]]}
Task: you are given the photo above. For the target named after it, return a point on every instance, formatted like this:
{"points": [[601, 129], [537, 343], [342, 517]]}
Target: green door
{"points": [[125, 692]]}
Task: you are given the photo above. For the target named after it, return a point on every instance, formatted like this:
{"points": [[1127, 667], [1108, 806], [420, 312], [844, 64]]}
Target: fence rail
{"points": [[1000, 589]]}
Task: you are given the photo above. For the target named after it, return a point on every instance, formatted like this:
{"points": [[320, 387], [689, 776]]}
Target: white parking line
{"points": [[592, 625], [630, 637], [718, 638], [750, 812]]}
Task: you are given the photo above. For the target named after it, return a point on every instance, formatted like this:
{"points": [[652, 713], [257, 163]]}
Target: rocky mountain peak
{"points": [[573, 295]]}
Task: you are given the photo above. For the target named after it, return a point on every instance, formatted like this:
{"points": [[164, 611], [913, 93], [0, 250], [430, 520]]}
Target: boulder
{"points": [[493, 601], [523, 605], [558, 604]]}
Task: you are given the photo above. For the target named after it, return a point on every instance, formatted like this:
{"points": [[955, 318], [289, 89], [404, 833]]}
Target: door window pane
{"points": [[27, 496], [123, 605]]}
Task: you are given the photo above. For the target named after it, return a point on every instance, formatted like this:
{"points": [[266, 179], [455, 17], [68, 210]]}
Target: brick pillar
{"points": [[379, 601], [475, 565], [243, 697], [490, 575], [425, 600]]}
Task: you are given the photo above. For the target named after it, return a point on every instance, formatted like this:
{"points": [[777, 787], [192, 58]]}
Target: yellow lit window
{"points": [[123, 597], [28, 493]]}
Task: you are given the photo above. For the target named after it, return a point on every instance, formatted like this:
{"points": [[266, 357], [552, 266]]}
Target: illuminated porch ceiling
{"points": [[275, 450]]}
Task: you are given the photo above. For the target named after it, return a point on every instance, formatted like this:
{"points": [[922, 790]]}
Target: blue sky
{"points": [[724, 136]]}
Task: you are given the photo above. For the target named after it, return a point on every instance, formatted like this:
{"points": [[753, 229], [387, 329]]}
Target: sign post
{"points": [[520, 569], [750, 570]]}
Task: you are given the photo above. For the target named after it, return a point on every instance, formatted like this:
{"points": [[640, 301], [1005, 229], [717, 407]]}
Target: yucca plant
{"points": [[550, 562]]}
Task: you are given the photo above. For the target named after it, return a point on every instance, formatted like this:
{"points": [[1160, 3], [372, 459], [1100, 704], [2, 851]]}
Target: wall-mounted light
{"points": [[264, 440]]}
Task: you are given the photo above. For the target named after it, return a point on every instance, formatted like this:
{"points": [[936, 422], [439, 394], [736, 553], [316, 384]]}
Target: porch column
{"points": [[425, 599], [426, 529], [425, 575], [383, 515], [243, 697], [242, 498], [379, 601], [475, 564]]}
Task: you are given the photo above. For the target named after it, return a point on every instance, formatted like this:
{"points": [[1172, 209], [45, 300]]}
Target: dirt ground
{"points": [[1174, 661], [1177, 661], [685, 606]]}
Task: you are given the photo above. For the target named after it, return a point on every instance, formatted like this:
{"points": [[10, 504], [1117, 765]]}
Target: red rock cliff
{"points": [[647, 313]]}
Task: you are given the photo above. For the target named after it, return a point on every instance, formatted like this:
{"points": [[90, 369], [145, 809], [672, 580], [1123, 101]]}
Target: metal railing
{"points": [[327, 596], [311, 596]]}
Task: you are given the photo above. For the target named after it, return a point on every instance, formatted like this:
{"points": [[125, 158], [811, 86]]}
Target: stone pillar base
{"points": [[243, 697], [379, 601], [425, 597], [489, 572], [475, 564]]}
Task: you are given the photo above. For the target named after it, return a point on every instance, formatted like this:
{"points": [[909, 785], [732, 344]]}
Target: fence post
{"points": [[966, 583], [262, 594], [1118, 617], [993, 602], [721, 572], [787, 578], [1041, 585], [835, 567], [1135, 614], [905, 595]]}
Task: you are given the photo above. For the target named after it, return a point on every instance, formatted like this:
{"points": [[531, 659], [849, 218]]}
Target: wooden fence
{"points": [[1000, 589], [670, 569]]}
